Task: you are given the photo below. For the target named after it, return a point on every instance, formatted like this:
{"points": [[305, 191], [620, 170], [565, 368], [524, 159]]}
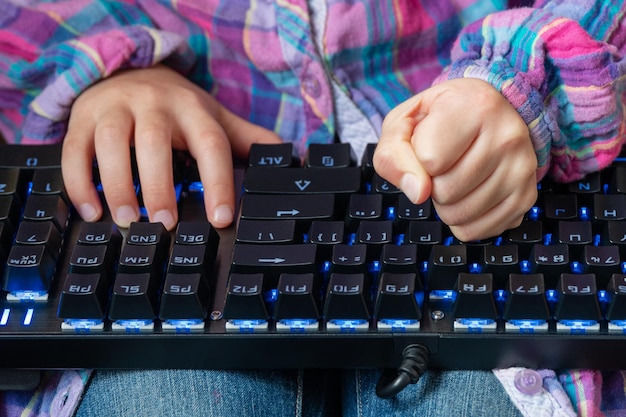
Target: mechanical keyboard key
{"points": [[10, 212], [525, 236], [326, 235], [100, 233], [398, 302], [47, 208], [271, 156], [500, 261], [84, 297], [616, 307], [602, 261], [184, 302], [551, 261], [245, 307], [139, 260], [425, 234], [349, 259], [39, 233], [197, 233], [296, 307], [329, 155], [608, 207], [526, 307], [272, 260], [133, 302], [577, 309], [302, 180], [615, 234], [87, 259], [346, 305], [383, 187], [29, 270], [374, 234], [49, 181], [13, 183], [363, 207], [261, 231], [445, 263], [560, 207], [297, 207], [576, 235], [401, 259], [152, 234], [190, 259], [406, 211], [474, 308]]}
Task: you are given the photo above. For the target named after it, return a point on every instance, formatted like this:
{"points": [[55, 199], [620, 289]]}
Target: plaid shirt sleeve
{"points": [[562, 65]]}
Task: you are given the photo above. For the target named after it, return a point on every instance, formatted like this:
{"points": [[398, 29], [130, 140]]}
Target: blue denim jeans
{"points": [[192, 393]]}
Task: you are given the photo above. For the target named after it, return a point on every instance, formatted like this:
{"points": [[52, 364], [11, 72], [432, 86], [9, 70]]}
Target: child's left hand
{"points": [[463, 144]]}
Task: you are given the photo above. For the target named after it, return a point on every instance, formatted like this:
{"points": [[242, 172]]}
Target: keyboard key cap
{"points": [[185, 297], [526, 308], [551, 261], [445, 263], [261, 231], [399, 259], [329, 155], [500, 261], [577, 308], [134, 297], [398, 299], [302, 180], [244, 298], [297, 298], [271, 156], [284, 207], [474, 307], [84, 296], [272, 260], [346, 306], [47, 208], [28, 269]]}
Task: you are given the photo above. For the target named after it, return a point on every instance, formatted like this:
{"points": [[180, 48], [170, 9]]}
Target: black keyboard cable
{"points": [[412, 367]]}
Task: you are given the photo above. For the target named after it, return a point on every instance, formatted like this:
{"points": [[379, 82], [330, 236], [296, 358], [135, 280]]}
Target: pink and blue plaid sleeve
{"points": [[51, 51], [562, 65]]}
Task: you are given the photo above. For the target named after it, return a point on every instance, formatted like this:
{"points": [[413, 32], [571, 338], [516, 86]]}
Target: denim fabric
{"points": [[210, 393], [307, 393], [436, 394]]}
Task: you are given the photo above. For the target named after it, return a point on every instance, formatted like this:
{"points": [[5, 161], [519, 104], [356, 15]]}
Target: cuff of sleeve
{"points": [[70, 68], [561, 81]]}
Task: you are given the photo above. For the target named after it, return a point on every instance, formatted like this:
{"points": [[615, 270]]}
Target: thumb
{"points": [[395, 160], [243, 133]]}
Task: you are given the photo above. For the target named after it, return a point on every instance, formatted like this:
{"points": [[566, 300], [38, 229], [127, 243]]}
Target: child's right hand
{"points": [[153, 109]]}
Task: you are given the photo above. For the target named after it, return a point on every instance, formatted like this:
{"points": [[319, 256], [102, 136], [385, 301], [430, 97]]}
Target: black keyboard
{"points": [[327, 266]]}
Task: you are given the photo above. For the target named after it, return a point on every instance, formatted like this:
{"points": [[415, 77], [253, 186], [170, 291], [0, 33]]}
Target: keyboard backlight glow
{"points": [[298, 323], [578, 323], [83, 325], [348, 324], [527, 323], [5, 317], [184, 326], [28, 317], [398, 323], [443, 294], [196, 187]]}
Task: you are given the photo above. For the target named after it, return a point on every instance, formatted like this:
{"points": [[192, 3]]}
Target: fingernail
{"points": [[222, 216], [125, 215], [87, 212], [166, 217], [410, 186]]}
